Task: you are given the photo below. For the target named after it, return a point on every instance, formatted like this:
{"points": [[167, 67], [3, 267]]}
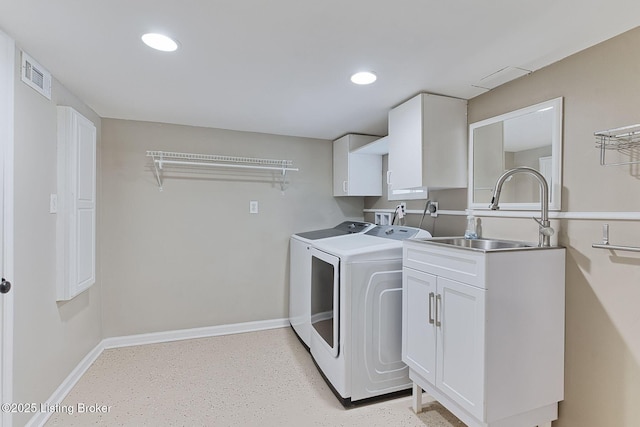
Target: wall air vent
{"points": [[36, 76]]}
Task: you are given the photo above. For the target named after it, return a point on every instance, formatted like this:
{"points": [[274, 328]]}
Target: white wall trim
{"points": [[416, 211], [142, 339], [619, 216], [613, 216], [7, 47]]}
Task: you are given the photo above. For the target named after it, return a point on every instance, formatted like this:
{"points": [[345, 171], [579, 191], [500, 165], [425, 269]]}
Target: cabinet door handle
{"points": [[344, 186], [388, 177], [431, 295], [438, 314]]}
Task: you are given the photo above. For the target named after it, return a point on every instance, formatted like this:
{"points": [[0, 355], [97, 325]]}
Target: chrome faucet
{"points": [[544, 226]]}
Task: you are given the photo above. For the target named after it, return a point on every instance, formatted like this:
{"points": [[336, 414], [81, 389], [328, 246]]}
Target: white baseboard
{"points": [[187, 334], [61, 392], [158, 337]]}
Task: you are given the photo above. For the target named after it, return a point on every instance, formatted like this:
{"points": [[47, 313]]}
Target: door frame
{"points": [[7, 82]]}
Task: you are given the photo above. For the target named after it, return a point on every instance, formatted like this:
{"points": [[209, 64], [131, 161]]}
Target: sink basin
{"points": [[481, 244]]}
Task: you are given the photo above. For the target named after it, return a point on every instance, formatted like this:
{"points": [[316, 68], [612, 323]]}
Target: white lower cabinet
{"points": [[483, 333], [448, 349]]}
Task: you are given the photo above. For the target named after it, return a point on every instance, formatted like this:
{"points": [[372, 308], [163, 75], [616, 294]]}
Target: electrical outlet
{"points": [[434, 213], [253, 206], [53, 203], [400, 212]]}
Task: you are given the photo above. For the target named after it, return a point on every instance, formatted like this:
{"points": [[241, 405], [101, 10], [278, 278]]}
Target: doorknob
{"points": [[5, 286]]}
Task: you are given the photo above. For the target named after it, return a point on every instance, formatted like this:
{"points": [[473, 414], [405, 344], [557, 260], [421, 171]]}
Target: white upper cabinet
{"points": [[427, 146], [76, 222], [356, 174]]}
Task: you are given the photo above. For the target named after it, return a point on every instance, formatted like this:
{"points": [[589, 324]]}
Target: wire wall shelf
{"points": [[625, 140], [163, 158]]}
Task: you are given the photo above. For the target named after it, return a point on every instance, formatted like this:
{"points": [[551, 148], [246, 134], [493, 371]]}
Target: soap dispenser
{"points": [[470, 232]]}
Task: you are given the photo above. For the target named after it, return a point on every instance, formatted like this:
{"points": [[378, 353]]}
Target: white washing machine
{"points": [[300, 272], [356, 312]]}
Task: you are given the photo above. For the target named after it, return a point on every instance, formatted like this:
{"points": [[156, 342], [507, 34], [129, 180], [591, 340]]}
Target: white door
{"points": [[460, 334], [418, 322], [7, 51], [405, 145], [341, 166]]}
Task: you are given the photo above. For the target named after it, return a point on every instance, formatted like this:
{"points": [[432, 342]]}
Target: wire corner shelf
{"points": [[624, 139], [164, 158]]}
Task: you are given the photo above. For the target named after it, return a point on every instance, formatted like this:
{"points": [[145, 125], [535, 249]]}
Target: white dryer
{"points": [[300, 272], [356, 312]]}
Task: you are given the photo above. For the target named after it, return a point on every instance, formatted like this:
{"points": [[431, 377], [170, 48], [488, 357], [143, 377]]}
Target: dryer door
{"points": [[325, 299]]}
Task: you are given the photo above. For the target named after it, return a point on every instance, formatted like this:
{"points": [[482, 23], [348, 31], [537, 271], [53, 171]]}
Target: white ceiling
{"points": [[283, 66]]}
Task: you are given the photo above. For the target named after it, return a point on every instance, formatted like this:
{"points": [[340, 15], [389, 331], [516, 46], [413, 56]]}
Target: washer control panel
{"points": [[396, 232]]}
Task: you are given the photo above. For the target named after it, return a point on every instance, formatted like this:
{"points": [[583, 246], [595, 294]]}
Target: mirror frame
{"points": [[555, 189]]}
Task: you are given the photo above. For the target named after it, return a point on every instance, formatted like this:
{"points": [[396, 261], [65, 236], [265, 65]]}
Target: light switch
{"points": [[253, 206]]}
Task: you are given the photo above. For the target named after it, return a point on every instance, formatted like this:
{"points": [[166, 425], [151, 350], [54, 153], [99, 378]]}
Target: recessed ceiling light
{"points": [[363, 78], [159, 42]]}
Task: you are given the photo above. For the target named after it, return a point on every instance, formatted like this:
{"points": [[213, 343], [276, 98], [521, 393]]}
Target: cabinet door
{"points": [[341, 166], [356, 174], [405, 145], [418, 322], [76, 223], [460, 344]]}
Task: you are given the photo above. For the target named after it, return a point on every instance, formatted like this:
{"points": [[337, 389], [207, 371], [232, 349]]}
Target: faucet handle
{"points": [[545, 229]]}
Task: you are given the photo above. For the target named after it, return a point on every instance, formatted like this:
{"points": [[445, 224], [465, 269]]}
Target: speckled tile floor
{"points": [[255, 379]]}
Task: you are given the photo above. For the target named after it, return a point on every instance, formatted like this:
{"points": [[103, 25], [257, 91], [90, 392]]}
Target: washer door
{"points": [[325, 299]]}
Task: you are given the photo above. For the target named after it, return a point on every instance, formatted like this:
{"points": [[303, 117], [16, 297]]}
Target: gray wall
{"points": [[443, 225], [50, 338], [602, 364], [192, 255], [601, 90]]}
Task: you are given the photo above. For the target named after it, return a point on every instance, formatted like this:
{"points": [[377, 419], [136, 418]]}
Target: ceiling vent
{"points": [[36, 76], [500, 77]]}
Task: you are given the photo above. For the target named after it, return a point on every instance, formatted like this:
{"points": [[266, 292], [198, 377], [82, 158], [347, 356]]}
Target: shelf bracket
{"points": [[157, 166], [606, 245]]}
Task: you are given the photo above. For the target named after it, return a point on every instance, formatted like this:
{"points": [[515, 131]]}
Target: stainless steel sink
{"points": [[482, 244]]}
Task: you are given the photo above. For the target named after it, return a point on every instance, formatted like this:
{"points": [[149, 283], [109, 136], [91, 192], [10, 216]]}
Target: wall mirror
{"points": [[531, 136]]}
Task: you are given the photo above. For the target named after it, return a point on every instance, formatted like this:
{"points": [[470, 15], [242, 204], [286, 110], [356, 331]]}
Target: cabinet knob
{"points": [[5, 286]]}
